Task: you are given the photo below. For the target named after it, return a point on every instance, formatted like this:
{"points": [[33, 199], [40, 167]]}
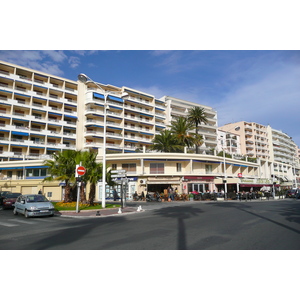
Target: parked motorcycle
{"points": [[153, 197]]}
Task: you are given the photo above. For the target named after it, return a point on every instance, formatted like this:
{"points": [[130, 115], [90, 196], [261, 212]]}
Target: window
{"points": [[157, 168], [178, 167], [114, 166], [36, 172], [130, 168], [208, 169]]}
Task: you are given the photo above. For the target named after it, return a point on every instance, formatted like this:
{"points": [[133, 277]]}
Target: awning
{"points": [[131, 141], [20, 133], [257, 185], [99, 96], [115, 98], [69, 116]]}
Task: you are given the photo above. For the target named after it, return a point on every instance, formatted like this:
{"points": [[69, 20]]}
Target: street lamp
{"points": [[84, 78]]}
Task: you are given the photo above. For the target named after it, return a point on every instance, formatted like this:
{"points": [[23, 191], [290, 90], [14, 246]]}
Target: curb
{"points": [[95, 216]]}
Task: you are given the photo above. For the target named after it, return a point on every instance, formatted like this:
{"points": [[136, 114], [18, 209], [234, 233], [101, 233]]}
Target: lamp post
{"points": [[225, 175], [84, 78]]}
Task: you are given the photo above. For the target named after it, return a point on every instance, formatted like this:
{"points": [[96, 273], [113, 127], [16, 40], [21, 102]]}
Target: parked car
{"points": [[291, 193], [2, 196], [9, 200], [32, 205]]}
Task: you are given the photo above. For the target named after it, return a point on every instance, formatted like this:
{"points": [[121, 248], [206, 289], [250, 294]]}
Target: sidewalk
{"points": [[98, 213]]}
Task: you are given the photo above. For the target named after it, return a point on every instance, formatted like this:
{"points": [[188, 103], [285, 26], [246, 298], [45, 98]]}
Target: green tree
{"points": [[182, 130], [197, 116], [166, 142], [62, 168]]}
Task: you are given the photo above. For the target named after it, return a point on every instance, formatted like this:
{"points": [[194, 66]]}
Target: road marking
{"points": [[21, 221], [8, 224]]}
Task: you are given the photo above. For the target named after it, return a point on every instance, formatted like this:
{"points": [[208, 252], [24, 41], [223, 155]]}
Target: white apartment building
{"points": [[132, 118], [283, 148], [38, 113], [41, 114], [253, 138], [229, 142], [177, 107]]}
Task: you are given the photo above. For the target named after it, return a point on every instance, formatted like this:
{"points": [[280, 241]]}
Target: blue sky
{"points": [[255, 86]]}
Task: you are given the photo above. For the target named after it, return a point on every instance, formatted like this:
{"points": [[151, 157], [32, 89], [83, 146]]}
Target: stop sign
{"points": [[81, 170]]}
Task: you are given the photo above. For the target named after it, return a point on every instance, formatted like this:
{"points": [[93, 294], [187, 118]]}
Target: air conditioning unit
{"points": [[143, 181]]}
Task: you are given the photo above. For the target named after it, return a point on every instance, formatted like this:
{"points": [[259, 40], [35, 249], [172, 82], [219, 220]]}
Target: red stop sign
{"points": [[81, 170]]}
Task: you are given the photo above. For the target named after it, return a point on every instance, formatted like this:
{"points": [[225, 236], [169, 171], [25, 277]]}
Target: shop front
{"points": [[160, 184], [256, 184], [200, 184]]}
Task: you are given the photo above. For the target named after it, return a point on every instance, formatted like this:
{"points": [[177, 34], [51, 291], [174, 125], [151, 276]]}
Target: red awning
{"points": [[258, 185]]}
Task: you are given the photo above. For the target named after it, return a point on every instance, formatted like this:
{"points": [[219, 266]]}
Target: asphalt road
{"points": [[266, 225]]}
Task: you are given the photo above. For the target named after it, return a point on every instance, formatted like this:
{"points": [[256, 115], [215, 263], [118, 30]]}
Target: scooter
{"points": [[153, 197]]}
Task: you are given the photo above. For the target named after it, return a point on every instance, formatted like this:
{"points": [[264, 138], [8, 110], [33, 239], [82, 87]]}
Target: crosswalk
{"points": [[33, 221]]}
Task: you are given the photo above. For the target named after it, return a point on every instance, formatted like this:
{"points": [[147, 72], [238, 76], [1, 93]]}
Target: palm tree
{"points": [[166, 142], [182, 129], [62, 168], [197, 116]]}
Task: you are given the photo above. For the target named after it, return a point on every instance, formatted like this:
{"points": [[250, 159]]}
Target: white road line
{"points": [[21, 221], [8, 224]]}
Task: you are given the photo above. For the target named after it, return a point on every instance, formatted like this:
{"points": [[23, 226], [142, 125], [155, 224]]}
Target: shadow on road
{"points": [[180, 213], [70, 235], [288, 212]]}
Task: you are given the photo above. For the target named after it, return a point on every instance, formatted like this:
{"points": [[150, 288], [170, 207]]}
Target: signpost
{"points": [[79, 171], [121, 178]]}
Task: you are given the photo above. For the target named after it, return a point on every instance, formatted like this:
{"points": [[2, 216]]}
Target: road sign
{"points": [[80, 170], [118, 171], [118, 175]]}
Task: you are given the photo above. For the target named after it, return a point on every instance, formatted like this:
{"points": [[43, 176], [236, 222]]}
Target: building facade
{"points": [[41, 114]]}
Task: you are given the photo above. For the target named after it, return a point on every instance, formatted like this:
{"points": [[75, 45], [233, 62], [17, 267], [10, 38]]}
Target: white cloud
{"points": [[74, 61], [45, 61], [273, 100]]}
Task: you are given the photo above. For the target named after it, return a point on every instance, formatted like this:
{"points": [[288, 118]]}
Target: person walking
{"points": [[40, 192]]}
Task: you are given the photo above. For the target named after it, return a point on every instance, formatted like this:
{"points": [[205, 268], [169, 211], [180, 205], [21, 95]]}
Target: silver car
{"points": [[33, 205]]}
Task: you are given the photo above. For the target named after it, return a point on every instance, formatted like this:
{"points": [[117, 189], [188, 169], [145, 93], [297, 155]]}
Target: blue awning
{"points": [[12, 168], [96, 95], [5, 91], [4, 117], [20, 120], [116, 128], [69, 116], [52, 149], [131, 141], [20, 133], [5, 104], [18, 145], [56, 114], [146, 133], [95, 126], [2, 130], [36, 147], [115, 98], [22, 95], [115, 107], [37, 167]]}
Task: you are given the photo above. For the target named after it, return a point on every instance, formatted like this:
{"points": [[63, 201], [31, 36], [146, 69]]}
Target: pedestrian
{"points": [[40, 192], [115, 195]]}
